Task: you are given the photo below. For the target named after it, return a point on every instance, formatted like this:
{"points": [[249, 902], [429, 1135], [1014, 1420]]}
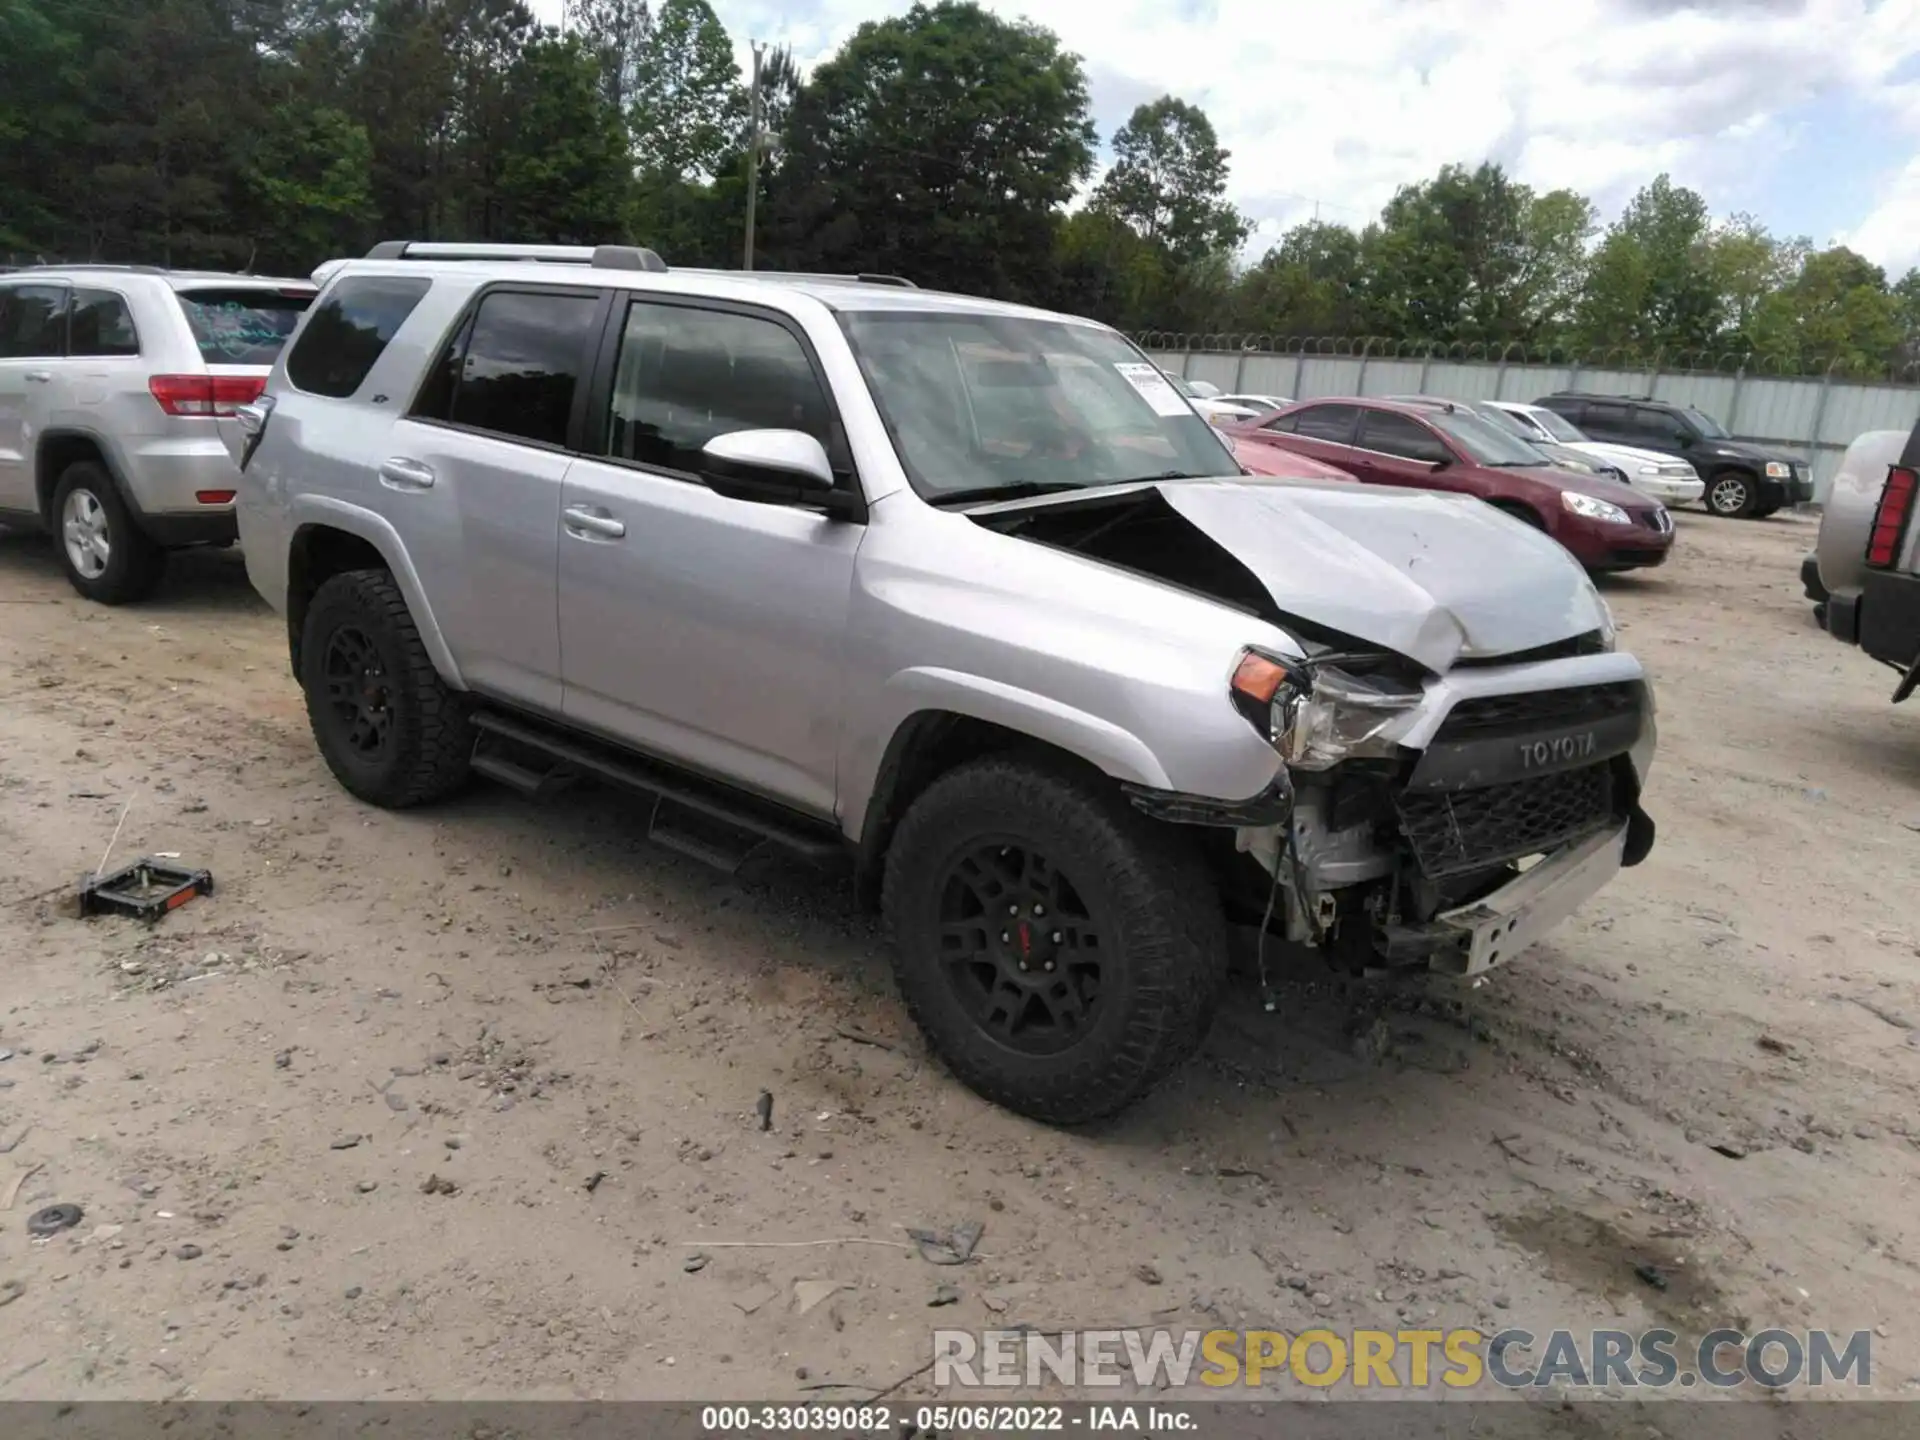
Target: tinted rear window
{"points": [[349, 331], [242, 326]]}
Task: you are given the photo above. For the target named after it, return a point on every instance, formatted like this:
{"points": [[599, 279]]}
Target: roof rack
{"points": [[599, 257]]}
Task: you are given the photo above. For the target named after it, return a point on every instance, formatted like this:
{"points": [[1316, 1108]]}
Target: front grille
{"points": [[1658, 520], [1545, 709], [1453, 832]]}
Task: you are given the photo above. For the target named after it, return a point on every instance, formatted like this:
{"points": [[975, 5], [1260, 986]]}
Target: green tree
{"points": [[309, 181], [688, 107], [1311, 283], [940, 144], [1838, 311], [1652, 284], [1169, 182], [1555, 229], [617, 32], [1448, 258], [565, 176]]}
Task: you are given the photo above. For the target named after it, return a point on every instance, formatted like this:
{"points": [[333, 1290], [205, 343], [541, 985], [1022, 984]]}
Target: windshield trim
{"points": [[1709, 428]]}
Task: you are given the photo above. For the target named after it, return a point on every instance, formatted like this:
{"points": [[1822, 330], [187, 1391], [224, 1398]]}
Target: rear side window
{"points": [[1662, 425], [686, 375], [33, 322], [1602, 416], [516, 366], [100, 325], [348, 332], [1327, 422], [236, 325]]}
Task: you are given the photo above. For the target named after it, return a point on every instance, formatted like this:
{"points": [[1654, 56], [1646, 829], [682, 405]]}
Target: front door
{"points": [[33, 340], [704, 629], [1396, 449]]}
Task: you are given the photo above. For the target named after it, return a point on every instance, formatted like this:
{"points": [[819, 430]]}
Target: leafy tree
{"points": [[1169, 180], [1311, 283], [1652, 283], [688, 107], [938, 143], [617, 32], [309, 180], [1448, 258], [565, 176], [1837, 311]]}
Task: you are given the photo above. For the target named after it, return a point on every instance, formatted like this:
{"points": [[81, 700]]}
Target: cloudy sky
{"points": [[1805, 112]]}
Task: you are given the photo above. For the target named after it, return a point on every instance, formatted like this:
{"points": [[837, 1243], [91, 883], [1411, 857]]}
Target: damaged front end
{"points": [[1446, 821], [1463, 748]]}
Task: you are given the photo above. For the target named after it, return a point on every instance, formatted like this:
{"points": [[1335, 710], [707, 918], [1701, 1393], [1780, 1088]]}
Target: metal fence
{"points": [[1813, 416]]}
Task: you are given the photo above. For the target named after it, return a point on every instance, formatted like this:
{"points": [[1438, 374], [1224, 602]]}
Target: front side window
{"points": [[98, 324], [1602, 416], [686, 375], [349, 332], [1400, 435], [242, 325], [515, 366], [1708, 426], [1332, 423], [980, 403], [33, 322]]}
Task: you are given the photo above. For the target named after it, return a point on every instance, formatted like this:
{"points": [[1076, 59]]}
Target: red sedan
{"points": [[1434, 445]]}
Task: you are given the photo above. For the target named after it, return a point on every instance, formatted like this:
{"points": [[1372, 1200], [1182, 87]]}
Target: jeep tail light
{"points": [[205, 394], [1890, 518]]}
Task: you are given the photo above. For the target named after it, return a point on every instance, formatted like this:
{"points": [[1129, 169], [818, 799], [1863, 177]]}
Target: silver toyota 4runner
{"points": [[965, 591], [115, 381]]}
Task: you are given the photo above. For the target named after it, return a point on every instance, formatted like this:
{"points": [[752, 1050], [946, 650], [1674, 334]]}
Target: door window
{"points": [[1400, 435], [515, 368], [1603, 418], [100, 325], [1332, 423], [686, 375], [1662, 426], [33, 322]]}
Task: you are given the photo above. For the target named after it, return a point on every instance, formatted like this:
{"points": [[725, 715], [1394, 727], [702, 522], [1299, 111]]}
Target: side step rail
{"points": [[696, 820]]}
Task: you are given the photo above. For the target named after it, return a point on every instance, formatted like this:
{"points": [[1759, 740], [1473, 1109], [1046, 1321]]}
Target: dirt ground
{"points": [[449, 1103]]}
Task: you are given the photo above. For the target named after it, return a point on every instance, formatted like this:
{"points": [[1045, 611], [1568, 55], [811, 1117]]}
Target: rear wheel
{"points": [[106, 555], [387, 725], [1731, 494], [1061, 953]]}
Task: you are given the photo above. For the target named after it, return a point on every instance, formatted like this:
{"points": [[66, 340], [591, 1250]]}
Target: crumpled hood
{"points": [[1432, 576]]}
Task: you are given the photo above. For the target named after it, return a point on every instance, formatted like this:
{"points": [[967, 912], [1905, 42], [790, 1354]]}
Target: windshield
{"points": [[242, 325], [1485, 442], [1557, 426], [982, 403], [1707, 425]]}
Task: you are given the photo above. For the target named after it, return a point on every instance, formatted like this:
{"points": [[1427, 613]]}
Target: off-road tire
{"points": [[1161, 979], [429, 742], [1731, 494], [134, 563]]}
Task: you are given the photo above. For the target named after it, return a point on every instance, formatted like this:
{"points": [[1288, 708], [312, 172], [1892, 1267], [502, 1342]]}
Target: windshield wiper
{"points": [[1019, 490]]}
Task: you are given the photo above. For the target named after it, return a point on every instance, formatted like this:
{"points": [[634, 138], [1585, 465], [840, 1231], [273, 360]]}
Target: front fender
{"points": [[356, 520], [1117, 752]]}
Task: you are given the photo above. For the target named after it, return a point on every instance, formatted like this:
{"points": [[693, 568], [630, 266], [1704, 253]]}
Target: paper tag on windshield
{"points": [[1154, 388]]}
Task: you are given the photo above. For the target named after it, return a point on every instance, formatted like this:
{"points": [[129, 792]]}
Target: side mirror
{"points": [[771, 467]]}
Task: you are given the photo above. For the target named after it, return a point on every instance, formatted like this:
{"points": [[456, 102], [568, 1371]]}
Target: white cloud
{"points": [[1890, 235], [1340, 104]]}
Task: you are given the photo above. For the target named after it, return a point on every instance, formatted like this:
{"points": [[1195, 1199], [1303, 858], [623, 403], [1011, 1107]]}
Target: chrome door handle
{"points": [[403, 474], [593, 522], [40, 377]]}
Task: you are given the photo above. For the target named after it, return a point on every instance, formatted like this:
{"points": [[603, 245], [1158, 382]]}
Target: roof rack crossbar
{"points": [[600, 257]]}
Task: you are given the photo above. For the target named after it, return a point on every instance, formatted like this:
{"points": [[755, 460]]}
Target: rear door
{"points": [[1396, 449], [33, 341], [1660, 430], [1609, 420], [472, 479]]}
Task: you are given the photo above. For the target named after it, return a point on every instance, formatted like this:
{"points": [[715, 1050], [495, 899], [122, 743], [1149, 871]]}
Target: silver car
{"points": [[114, 382], [963, 593]]}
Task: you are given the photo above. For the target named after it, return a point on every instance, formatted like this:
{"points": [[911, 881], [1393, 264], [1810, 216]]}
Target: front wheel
{"points": [[106, 555], [1730, 494], [387, 725], [1060, 951]]}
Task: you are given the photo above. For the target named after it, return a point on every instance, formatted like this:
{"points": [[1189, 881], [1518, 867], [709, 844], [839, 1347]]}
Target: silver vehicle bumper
{"points": [[1670, 492], [1499, 926], [166, 475]]}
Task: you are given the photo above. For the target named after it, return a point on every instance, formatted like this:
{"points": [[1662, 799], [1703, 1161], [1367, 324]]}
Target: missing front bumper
{"points": [[1497, 927]]}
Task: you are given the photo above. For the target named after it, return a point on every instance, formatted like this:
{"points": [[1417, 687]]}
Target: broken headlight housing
{"points": [[1320, 714]]}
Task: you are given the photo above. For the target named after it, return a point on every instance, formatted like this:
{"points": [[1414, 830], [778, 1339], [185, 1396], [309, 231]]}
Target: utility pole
{"points": [[753, 154]]}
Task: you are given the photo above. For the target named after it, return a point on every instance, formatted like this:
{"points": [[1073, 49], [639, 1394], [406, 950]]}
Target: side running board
{"points": [[696, 818]]}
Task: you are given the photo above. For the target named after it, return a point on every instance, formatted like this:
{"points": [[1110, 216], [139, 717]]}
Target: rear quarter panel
{"points": [[1842, 545]]}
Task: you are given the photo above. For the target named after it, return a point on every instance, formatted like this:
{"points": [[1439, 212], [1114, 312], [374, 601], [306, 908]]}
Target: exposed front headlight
{"points": [[1594, 509], [1318, 715], [1779, 470], [1651, 469]]}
